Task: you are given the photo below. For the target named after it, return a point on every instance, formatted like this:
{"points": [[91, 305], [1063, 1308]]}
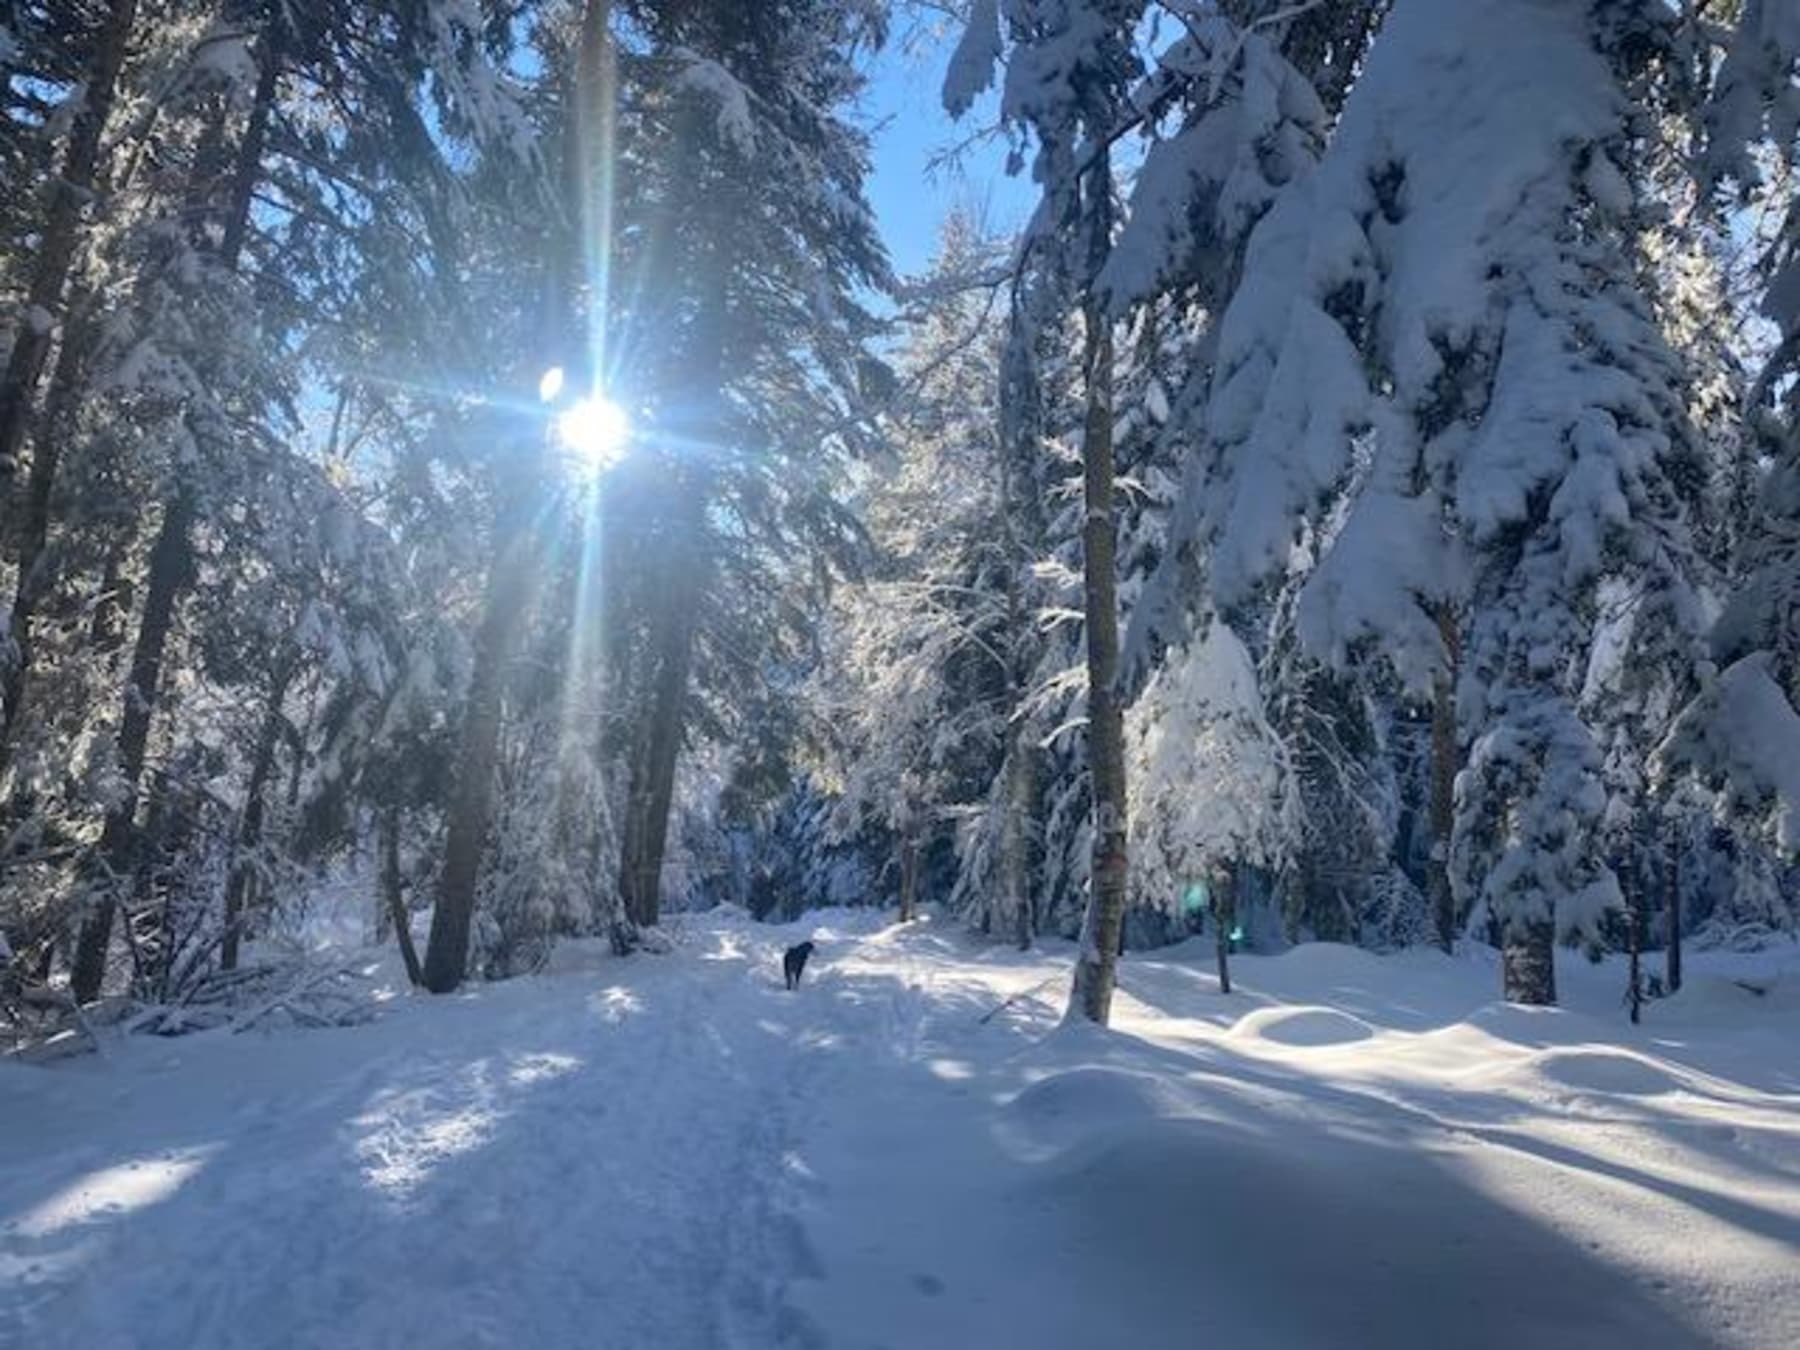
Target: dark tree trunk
{"points": [[1444, 764], [471, 803], [1528, 962], [652, 788], [674, 624], [1096, 967], [56, 251], [250, 824], [393, 893], [246, 171], [1634, 979], [1672, 954], [171, 563], [1224, 920]]}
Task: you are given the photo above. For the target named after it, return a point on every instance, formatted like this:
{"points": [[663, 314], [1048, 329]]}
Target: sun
{"points": [[597, 430]]}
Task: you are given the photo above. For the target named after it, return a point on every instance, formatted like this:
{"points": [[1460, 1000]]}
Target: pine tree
{"points": [[759, 178], [922, 673], [1484, 390]]}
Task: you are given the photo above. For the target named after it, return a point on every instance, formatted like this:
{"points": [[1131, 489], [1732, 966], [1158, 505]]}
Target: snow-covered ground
{"points": [[672, 1152]]}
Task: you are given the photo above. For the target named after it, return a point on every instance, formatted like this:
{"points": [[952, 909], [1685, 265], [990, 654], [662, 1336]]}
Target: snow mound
{"points": [[1064, 1108], [1302, 1028], [1608, 1072], [1734, 996]]}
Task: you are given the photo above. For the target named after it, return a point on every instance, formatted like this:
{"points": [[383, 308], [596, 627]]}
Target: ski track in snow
{"points": [[565, 1161], [673, 1151]]}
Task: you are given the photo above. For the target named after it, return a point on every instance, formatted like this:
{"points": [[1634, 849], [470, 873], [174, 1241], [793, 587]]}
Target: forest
{"points": [[1357, 504], [1249, 678]]}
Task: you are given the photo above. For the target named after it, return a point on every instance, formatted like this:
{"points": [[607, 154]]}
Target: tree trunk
{"points": [[1634, 979], [250, 824], [652, 791], [1224, 920], [1672, 953], [674, 626], [471, 804], [246, 171], [1444, 764], [171, 564], [1528, 962], [393, 893], [909, 873], [56, 251], [1096, 967]]}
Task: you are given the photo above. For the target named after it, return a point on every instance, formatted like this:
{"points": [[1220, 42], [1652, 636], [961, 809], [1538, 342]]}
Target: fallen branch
{"points": [[1023, 994], [301, 986]]}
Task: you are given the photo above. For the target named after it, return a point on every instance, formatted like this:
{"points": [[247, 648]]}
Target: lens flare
{"points": [[596, 430]]}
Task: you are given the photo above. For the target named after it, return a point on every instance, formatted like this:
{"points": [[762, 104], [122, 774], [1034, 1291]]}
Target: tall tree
{"points": [[751, 296], [1067, 72]]}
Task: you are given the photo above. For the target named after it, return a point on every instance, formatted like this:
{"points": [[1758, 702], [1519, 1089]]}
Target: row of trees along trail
{"points": [[1358, 504]]}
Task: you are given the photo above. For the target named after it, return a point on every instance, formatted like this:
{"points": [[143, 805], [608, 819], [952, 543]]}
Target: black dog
{"points": [[793, 961]]}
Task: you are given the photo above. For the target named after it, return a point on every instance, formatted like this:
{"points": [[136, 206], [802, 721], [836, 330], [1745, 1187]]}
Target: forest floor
{"points": [[673, 1152]]}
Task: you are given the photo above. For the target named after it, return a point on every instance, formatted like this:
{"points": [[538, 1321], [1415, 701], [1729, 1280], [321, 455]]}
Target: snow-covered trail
{"points": [[562, 1161], [1351, 1153]]}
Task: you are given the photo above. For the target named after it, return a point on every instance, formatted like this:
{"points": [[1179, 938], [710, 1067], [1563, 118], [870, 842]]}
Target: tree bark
{"points": [[247, 170], [471, 804], [1224, 920], [1096, 967], [393, 893], [1528, 962], [171, 563], [56, 252], [652, 790], [1444, 764], [1634, 985], [1672, 953], [674, 627]]}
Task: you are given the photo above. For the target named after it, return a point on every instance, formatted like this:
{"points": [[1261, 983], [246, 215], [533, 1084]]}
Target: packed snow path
{"points": [[672, 1151]]}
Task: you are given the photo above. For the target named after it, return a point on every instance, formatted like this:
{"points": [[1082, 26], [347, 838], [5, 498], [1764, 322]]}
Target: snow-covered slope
{"points": [[672, 1151]]}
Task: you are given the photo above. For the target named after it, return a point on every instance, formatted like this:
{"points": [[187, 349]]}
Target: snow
{"points": [[971, 69], [671, 1150], [708, 79], [1207, 768], [224, 54], [1742, 732]]}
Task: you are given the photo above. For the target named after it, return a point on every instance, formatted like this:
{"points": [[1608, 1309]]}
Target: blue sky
{"points": [[909, 127]]}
